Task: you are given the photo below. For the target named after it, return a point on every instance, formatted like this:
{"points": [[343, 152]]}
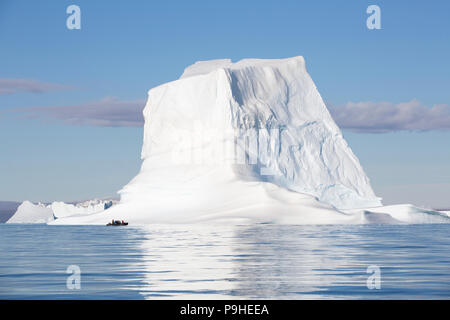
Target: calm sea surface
{"points": [[221, 262]]}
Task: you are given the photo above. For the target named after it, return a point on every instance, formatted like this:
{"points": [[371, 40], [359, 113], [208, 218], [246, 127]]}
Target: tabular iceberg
{"points": [[251, 140]]}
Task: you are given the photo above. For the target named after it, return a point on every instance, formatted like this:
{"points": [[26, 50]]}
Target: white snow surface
{"points": [[400, 213], [446, 212], [28, 212], [246, 141], [61, 209]]}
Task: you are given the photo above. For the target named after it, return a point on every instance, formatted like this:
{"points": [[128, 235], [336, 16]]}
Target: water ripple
{"points": [[197, 262]]}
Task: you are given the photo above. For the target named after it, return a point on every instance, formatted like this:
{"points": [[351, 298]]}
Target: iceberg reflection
{"points": [[262, 261], [294, 262]]}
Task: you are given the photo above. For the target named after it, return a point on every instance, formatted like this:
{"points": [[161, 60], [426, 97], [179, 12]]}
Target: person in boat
{"points": [[117, 223]]}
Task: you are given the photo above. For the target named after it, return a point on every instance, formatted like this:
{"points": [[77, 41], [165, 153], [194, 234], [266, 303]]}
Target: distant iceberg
{"points": [[40, 213], [247, 141], [28, 212]]}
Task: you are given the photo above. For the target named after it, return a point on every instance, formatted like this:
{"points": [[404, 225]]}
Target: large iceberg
{"points": [[251, 140], [271, 116]]}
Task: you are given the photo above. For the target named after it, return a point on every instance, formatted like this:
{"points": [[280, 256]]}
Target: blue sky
{"points": [[126, 47]]}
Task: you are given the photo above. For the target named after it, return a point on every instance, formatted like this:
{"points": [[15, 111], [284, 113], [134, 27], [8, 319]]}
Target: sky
{"points": [[71, 100]]}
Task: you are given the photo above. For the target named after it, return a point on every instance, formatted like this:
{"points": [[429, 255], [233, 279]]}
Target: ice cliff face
{"points": [[260, 121]]}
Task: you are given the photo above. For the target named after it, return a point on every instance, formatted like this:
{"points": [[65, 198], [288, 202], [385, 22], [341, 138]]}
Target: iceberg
{"points": [[245, 141], [28, 212], [411, 214], [62, 210], [40, 213], [400, 213]]}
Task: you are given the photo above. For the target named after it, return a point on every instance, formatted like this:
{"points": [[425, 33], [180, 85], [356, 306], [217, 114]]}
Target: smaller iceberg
{"points": [[445, 212], [400, 213], [62, 210], [30, 213]]}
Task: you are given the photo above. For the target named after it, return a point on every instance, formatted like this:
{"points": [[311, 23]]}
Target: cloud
{"points": [[9, 86], [383, 117], [363, 117], [107, 112]]}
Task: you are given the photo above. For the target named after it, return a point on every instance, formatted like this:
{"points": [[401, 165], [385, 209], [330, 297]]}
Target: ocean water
{"points": [[225, 262]]}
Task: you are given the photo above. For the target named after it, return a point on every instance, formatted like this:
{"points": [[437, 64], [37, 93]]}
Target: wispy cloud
{"points": [[382, 117], [9, 86], [363, 117], [107, 112]]}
